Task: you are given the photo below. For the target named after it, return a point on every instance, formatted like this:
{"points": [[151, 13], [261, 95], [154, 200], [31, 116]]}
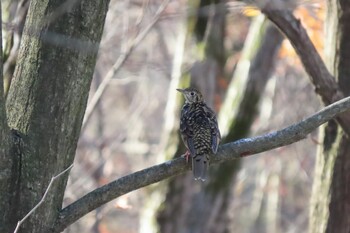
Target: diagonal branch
{"points": [[229, 151], [324, 83], [292, 28], [120, 61]]}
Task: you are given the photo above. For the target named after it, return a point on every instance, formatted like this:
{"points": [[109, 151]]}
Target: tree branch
{"points": [[325, 84], [229, 151], [126, 51], [292, 28]]}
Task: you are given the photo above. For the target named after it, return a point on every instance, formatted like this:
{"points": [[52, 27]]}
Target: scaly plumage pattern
{"points": [[199, 131]]}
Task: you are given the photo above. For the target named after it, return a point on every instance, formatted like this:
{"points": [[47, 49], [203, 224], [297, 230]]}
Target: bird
{"points": [[199, 131]]}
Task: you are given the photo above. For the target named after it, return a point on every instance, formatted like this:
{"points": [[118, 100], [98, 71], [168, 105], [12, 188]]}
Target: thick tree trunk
{"points": [[46, 101], [5, 159], [330, 203]]}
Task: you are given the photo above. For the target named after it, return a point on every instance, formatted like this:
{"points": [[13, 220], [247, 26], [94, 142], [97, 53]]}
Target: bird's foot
{"points": [[187, 156]]}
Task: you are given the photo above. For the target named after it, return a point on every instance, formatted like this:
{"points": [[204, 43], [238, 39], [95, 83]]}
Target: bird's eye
{"points": [[192, 93]]}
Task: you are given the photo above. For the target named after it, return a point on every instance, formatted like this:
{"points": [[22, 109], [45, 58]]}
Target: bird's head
{"points": [[191, 95]]}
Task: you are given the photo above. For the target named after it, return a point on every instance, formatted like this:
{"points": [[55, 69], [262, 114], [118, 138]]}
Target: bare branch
{"points": [[325, 84], [292, 28], [42, 199], [227, 152], [120, 61]]}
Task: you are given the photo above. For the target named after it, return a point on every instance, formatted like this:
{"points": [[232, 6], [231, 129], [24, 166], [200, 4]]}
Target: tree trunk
{"points": [[170, 140], [216, 193], [16, 12], [196, 207], [46, 102], [330, 202], [6, 161]]}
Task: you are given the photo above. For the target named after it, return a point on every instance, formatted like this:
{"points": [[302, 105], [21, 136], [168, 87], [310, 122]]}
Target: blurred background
{"points": [[246, 71]]}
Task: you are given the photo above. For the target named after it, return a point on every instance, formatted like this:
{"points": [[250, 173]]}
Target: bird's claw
{"points": [[187, 156]]}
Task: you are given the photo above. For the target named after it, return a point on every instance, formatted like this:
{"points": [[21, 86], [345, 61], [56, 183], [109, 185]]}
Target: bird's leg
{"points": [[187, 156]]}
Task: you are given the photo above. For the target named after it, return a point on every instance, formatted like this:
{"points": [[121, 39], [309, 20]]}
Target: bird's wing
{"points": [[214, 128], [186, 131]]}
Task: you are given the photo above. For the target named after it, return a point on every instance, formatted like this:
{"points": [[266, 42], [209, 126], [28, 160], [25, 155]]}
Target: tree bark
{"points": [[13, 37], [47, 99], [330, 202], [6, 161]]}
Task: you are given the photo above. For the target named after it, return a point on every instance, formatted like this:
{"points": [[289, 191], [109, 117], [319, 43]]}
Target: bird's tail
{"points": [[200, 164]]}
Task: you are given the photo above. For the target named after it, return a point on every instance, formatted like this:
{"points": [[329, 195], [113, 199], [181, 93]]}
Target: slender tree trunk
{"points": [[170, 145], [195, 207], [174, 210], [46, 102], [330, 202], [209, 212]]}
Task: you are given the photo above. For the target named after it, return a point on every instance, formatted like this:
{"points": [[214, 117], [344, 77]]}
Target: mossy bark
{"points": [[330, 201], [326, 156], [47, 100], [6, 160]]}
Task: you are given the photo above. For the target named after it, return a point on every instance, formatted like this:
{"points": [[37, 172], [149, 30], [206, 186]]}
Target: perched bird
{"points": [[199, 131]]}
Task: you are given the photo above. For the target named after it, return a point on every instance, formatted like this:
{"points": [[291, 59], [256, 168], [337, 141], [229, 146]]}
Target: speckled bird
{"points": [[199, 131]]}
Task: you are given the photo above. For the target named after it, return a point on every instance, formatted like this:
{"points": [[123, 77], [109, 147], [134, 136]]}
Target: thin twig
{"points": [[227, 152], [122, 58], [19, 223]]}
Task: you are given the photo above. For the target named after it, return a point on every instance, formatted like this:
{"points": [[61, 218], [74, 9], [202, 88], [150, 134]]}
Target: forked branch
{"points": [[323, 81]]}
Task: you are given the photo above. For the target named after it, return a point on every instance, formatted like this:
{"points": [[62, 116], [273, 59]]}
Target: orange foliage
{"points": [[103, 228], [251, 11], [312, 19]]}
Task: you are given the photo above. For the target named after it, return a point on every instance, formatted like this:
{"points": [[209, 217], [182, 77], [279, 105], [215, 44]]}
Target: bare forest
{"points": [[89, 116]]}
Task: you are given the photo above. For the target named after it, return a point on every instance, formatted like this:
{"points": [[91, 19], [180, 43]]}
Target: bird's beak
{"points": [[180, 90]]}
